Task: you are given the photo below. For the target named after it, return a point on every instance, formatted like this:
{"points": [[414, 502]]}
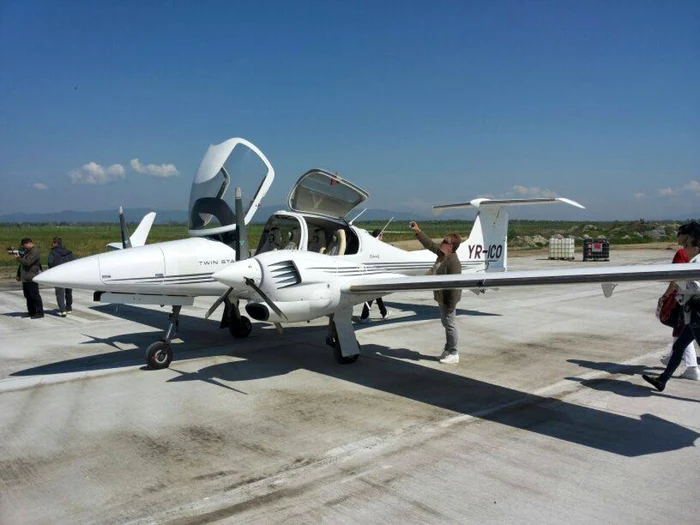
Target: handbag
{"points": [[668, 310]]}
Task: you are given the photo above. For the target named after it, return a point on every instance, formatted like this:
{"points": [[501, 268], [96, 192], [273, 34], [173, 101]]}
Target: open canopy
{"points": [[322, 193], [233, 163]]}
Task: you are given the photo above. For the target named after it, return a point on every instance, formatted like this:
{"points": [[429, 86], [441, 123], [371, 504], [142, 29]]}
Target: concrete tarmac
{"points": [[546, 419]]}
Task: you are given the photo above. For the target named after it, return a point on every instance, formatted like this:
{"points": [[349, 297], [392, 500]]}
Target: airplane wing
{"points": [[610, 274]]}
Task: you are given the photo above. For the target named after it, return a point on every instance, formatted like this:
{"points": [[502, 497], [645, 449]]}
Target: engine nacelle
{"points": [[295, 311]]}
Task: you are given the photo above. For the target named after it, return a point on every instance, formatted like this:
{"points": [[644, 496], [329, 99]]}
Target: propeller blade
{"points": [[242, 251], [262, 294], [126, 241], [216, 304]]}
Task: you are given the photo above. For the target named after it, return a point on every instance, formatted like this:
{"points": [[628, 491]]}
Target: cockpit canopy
{"points": [[322, 193], [233, 163]]}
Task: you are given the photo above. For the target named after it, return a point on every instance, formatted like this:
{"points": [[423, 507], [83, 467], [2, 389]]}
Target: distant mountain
{"points": [[134, 215]]}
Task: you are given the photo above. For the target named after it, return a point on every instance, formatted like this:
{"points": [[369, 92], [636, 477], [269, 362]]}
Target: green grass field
{"points": [[86, 240]]}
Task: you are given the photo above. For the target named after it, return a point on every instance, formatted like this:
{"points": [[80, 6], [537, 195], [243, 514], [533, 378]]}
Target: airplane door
{"points": [[143, 265]]}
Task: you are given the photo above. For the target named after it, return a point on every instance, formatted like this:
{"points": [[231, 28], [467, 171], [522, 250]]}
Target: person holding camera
{"points": [[446, 263], [29, 260], [59, 255]]}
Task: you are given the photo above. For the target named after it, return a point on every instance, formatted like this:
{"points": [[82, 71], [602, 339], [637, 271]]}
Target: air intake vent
{"points": [[285, 274]]}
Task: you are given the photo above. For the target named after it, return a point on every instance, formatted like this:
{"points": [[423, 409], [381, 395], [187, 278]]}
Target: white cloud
{"points": [[40, 186], [666, 192], [533, 192], [693, 186], [639, 196], [157, 170], [93, 173]]}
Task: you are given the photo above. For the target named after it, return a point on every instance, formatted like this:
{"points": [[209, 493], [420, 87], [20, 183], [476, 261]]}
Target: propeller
{"points": [[216, 304], [242, 251], [267, 300], [126, 241]]}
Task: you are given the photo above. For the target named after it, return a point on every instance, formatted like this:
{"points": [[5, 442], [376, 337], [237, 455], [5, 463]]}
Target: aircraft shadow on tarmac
{"points": [[379, 369]]}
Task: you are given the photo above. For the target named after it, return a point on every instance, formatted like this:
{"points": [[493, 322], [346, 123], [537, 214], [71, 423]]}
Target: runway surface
{"points": [[546, 419]]}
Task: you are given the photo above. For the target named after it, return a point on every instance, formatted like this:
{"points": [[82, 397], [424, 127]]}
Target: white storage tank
{"points": [[561, 247]]}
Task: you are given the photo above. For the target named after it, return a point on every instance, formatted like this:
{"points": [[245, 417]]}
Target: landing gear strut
{"points": [[238, 325], [333, 341], [160, 354]]}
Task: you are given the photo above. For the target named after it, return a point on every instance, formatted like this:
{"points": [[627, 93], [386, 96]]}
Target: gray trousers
{"points": [[449, 321], [64, 299]]}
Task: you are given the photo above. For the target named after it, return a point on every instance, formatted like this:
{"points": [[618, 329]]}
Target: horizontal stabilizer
{"points": [[483, 203]]}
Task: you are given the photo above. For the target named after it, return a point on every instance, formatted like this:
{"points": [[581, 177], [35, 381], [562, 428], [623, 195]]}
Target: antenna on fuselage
{"points": [[387, 224], [358, 216]]}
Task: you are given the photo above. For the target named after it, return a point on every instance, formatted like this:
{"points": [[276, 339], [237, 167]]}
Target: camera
{"points": [[15, 251]]}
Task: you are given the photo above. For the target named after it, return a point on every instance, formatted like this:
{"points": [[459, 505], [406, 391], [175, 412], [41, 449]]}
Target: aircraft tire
{"points": [[340, 357], [159, 355], [242, 329]]}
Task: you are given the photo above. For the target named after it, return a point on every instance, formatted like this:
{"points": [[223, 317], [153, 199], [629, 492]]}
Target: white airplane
{"points": [[174, 273], [304, 262]]}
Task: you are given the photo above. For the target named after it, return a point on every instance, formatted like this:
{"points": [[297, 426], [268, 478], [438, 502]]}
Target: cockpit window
{"points": [[281, 233], [212, 197]]}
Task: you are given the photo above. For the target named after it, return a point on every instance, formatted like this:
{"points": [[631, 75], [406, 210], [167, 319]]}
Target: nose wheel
{"points": [[160, 354]]}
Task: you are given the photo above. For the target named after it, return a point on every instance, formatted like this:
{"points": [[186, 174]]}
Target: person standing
{"points": [[447, 263], [59, 255], [30, 267], [364, 317]]}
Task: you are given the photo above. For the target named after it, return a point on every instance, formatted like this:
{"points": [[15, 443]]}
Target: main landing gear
{"points": [[160, 354], [238, 325], [341, 338]]}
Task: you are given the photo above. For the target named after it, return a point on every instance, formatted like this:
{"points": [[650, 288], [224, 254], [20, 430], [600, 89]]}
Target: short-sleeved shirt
{"points": [[681, 257]]}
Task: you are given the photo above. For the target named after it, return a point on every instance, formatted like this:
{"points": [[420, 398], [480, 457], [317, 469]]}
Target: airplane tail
{"points": [[488, 241]]}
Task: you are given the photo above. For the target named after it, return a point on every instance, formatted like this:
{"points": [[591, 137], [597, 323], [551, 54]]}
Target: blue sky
{"points": [[419, 103]]}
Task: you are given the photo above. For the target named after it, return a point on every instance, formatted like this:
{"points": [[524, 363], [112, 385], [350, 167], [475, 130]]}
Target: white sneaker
{"points": [[691, 373], [665, 359], [363, 321], [385, 317], [450, 359]]}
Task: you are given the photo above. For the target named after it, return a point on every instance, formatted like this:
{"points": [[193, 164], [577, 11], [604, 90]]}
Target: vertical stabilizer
{"points": [[487, 245]]}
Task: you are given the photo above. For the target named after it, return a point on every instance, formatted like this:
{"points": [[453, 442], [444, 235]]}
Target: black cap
{"points": [[376, 232], [25, 240]]}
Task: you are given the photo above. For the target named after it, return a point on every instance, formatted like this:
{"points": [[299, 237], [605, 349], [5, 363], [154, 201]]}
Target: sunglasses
{"points": [[444, 241]]}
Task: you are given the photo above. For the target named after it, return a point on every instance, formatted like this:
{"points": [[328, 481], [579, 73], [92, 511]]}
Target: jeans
{"points": [[449, 321], [686, 337], [64, 299]]}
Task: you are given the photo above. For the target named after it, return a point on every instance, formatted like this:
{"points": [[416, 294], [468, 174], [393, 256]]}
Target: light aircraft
{"points": [[174, 273], [306, 260]]}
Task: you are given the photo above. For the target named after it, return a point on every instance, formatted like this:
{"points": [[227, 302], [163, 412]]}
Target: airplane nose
{"points": [[235, 274], [81, 273]]}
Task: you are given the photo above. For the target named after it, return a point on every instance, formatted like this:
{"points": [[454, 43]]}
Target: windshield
{"points": [[225, 166]]}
